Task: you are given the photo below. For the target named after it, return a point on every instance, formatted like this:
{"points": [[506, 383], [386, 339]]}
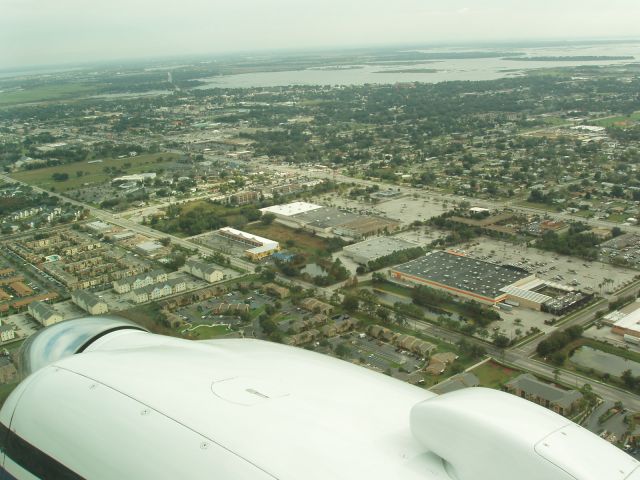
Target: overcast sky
{"points": [[34, 32]]}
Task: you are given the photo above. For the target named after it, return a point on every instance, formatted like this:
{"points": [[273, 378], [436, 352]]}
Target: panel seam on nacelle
{"points": [[169, 417]]}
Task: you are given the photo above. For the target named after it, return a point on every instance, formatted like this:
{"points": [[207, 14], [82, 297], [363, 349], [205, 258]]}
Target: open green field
{"points": [[620, 121], [47, 93], [92, 173], [301, 239], [205, 332], [494, 375], [539, 206]]}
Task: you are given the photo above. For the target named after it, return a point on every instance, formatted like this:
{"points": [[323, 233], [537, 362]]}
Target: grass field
{"points": [[494, 375], [539, 206], [620, 121], [46, 93], [301, 239], [205, 332], [93, 173]]}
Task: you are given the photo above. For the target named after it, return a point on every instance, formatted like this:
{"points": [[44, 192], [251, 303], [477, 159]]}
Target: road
{"points": [[494, 205], [518, 356], [607, 392], [117, 220]]}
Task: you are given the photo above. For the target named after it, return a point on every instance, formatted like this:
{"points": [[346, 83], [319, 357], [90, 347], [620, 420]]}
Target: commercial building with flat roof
{"points": [[628, 324], [462, 276], [375, 248], [327, 220], [149, 247], [260, 247], [99, 227], [290, 209]]}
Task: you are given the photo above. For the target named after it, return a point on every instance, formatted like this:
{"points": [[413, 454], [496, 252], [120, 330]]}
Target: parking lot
{"points": [[405, 209], [581, 274], [202, 313], [377, 354]]}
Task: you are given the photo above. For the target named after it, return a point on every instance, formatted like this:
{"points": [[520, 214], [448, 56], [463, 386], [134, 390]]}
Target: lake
{"points": [[474, 69], [604, 362]]}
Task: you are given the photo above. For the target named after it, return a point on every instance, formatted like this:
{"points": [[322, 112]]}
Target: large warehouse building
{"points": [[328, 220], [488, 283], [626, 325], [462, 276]]}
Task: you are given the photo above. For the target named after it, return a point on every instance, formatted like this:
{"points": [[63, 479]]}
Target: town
{"points": [[449, 235]]}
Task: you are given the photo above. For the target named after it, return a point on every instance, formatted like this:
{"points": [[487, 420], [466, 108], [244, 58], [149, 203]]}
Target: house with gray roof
{"points": [[529, 387], [456, 382], [203, 270], [44, 313], [89, 302]]}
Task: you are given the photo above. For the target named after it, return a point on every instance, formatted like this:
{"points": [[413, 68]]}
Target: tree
{"points": [[558, 358], [342, 350], [267, 218], [629, 380], [501, 341], [60, 177], [350, 303]]}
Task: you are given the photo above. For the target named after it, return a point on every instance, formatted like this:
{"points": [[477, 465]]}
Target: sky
{"points": [[51, 32]]}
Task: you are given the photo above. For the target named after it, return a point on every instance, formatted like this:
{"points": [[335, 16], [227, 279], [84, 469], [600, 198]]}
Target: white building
{"points": [[99, 227], [158, 290], [148, 248], [204, 271], [127, 284], [260, 247], [7, 333]]}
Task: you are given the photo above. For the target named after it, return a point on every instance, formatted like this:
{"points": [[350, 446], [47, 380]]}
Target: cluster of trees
{"points": [[430, 297], [60, 177], [538, 196], [335, 273], [395, 258], [576, 241], [268, 324], [363, 191], [459, 232], [192, 220], [10, 204], [630, 381], [556, 342]]}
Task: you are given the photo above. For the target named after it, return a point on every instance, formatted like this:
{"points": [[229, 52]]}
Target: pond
{"points": [[603, 362], [314, 270]]}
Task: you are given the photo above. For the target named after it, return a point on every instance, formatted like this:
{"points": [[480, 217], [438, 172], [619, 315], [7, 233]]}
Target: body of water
{"points": [[314, 270], [474, 69], [604, 362]]}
